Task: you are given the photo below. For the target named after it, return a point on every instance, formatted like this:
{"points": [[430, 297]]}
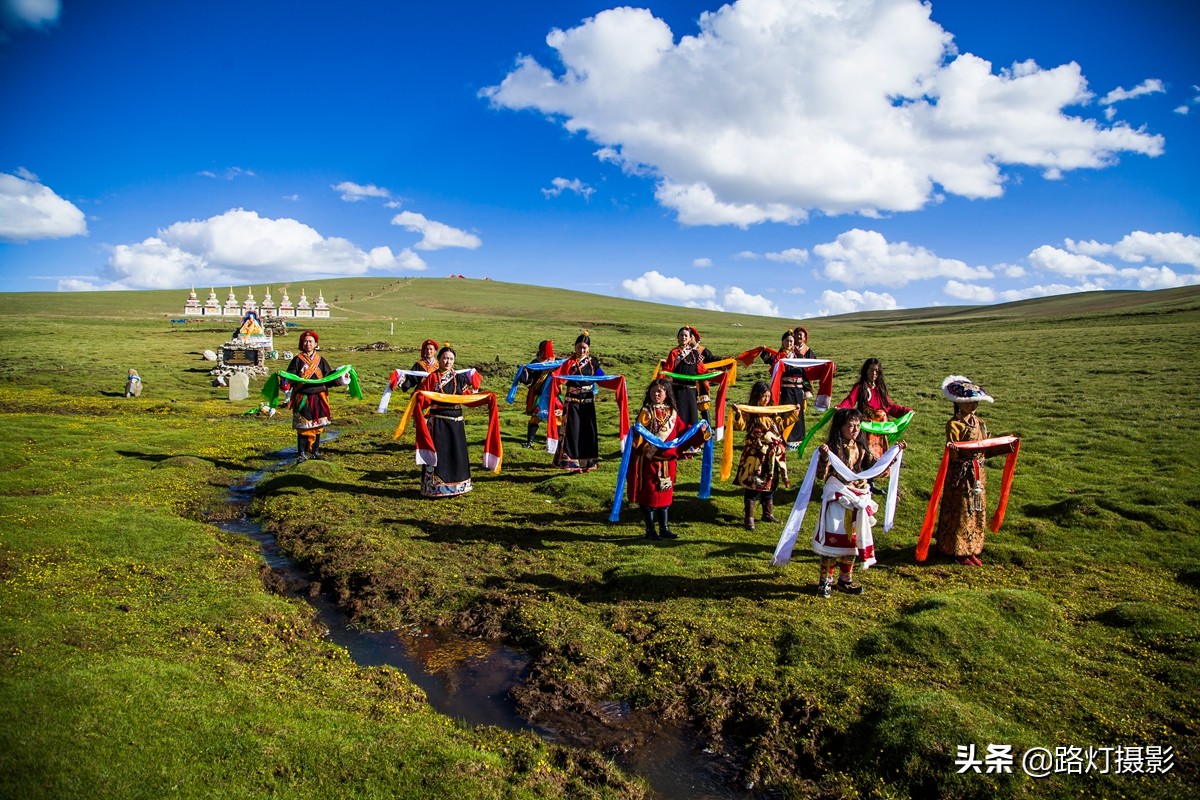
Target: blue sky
{"points": [[790, 158]]}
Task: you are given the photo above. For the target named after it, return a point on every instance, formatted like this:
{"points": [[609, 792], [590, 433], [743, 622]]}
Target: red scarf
{"points": [[988, 447]]}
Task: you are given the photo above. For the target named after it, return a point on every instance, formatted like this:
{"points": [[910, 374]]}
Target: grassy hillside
{"points": [[1078, 632]]}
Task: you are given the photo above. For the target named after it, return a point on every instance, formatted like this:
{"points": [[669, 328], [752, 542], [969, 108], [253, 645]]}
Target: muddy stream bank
{"points": [[472, 680]]}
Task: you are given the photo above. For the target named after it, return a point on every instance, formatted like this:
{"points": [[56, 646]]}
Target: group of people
{"points": [[676, 401]]}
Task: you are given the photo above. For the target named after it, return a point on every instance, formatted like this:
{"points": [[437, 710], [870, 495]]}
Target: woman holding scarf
{"points": [[309, 401], [794, 385], [763, 465], [428, 363], [870, 396], [687, 359], [962, 520], [536, 381], [452, 474], [651, 480], [579, 443]]}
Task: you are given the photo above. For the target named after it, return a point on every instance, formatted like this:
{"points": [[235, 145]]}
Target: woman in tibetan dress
{"points": [[579, 438], [452, 474], [962, 518], [794, 385], [309, 401]]}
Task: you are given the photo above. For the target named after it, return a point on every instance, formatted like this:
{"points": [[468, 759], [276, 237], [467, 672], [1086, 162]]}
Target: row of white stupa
{"points": [[233, 308]]}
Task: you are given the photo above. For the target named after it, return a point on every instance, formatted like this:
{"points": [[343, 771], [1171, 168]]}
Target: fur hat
{"points": [[960, 389]]}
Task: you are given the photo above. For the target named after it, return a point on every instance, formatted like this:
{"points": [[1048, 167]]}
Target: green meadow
{"points": [[144, 654]]}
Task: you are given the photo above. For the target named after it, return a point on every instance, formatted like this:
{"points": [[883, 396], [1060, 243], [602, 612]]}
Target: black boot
{"points": [[769, 508], [749, 504], [648, 518], [663, 530], [316, 449], [301, 448], [530, 429]]}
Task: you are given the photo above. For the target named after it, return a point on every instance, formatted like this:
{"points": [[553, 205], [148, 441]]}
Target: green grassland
{"points": [[142, 655]]}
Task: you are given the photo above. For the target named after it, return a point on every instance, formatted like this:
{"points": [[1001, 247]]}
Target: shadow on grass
{"points": [[159, 458], [648, 586]]}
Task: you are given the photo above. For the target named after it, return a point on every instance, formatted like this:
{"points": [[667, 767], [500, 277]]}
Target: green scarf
{"points": [[270, 389]]}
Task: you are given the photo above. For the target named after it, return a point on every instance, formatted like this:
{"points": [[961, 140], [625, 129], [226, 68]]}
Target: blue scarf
{"points": [[706, 462]]}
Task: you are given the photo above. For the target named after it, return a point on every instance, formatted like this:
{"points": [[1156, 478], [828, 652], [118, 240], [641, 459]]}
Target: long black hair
{"points": [[864, 383], [669, 400], [837, 444], [760, 387]]}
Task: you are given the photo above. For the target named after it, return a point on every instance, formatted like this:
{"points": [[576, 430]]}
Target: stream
{"points": [[471, 679]]}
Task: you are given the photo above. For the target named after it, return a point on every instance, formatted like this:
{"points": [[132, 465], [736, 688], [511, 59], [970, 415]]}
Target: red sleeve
{"points": [[851, 399], [671, 358]]}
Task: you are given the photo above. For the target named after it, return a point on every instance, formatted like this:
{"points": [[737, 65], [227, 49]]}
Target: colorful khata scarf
{"points": [[791, 529], [722, 378], [555, 385], [821, 369], [543, 403], [754, 411], [891, 429], [397, 377], [706, 462], [988, 447], [493, 451], [270, 390]]}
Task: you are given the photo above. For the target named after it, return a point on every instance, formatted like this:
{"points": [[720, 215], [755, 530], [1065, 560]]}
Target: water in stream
{"points": [[470, 680]]}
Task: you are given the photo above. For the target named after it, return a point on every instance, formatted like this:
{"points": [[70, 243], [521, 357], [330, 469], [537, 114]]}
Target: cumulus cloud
{"points": [[969, 292], [849, 301], [1158, 277], [793, 255], [774, 109], [435, 235], [354, 192], [30, 210], [560, 185], [738, 301], [238, 247], [1062, 262], [1140, 246], [1148, 86], [859, 258], [1012, 295], [702, 262], [656, 287], [28, 13], [653, 285]]}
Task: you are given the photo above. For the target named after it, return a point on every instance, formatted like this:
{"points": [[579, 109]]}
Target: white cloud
{"points": [[1158, 277], [1148, 86], [435, 235], [30, 210], [29, 13], [1172, 248], [354, 192], [1012, 270], [228, 174], [746, 255], [702, 262], [238, 247], [1061, 262], [653, 285], [1140, 246], [736, 300], [778, 108], [1182, 109], [560, 185], [793, 255], [861, 257], [969, 292], [849, 301], [1012, 295]]}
